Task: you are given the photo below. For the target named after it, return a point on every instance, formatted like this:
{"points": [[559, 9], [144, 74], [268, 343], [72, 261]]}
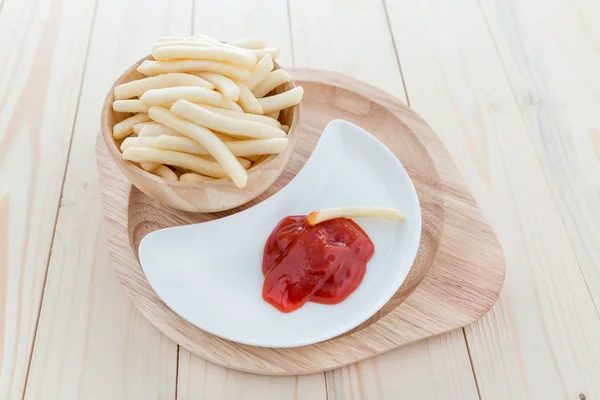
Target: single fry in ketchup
{"points": [[323, 264], [316, 217]]}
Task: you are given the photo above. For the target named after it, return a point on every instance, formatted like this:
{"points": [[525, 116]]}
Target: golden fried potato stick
{"points": [[207, 139], [282, 100], [181, 160], [241, 115], [226, 86], [192, 177], [249, 43], [231, 55], [247, 100], [125, 127], [316, 217], [129, 106], [273, 80], [168, 96], [165, 172], [162, 67], [260, 71], [139, 87], [223, 124]]}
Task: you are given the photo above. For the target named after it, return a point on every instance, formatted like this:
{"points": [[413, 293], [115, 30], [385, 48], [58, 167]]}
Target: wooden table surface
{"points": [[511, 86]]}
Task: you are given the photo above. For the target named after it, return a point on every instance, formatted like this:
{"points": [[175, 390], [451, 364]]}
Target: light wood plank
{"points": [[92, 343], [354, 38], [542, 341], [436, 368], [554, 78], [199, 379], [42, 50], [351, 37]]}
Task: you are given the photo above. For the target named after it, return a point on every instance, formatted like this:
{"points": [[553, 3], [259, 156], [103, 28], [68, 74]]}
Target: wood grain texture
{"points": [[541, 340], [40, 77], [92, 343], [354, 38], [200, 379], [439, 370], [554, 82], [213, 195], [462, 284], [230, 20]]}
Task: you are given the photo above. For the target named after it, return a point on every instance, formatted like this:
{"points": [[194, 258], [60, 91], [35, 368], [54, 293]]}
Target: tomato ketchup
{"points": [[322, 263]]}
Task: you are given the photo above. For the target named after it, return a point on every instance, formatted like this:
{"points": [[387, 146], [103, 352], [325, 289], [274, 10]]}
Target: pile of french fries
{"points": [[204, 111]]}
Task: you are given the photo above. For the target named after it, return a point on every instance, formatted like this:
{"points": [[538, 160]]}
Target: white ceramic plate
{"points": [[210, 273]]}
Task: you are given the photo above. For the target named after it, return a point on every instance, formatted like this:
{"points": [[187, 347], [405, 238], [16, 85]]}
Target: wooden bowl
{"points": [[210, 196]]}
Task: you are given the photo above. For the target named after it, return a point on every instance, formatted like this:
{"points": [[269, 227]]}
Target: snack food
{"points": [[320, 258], [201, 111]]}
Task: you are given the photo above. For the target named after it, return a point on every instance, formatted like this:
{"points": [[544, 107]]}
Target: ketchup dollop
{"points": [[322, 263]]}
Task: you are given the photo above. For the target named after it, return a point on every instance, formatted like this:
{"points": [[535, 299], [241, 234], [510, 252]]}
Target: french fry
{"points": [[244, 163], [137, 142], [183, 42], [168, 96], [282, 100], [243, 59], [247, 100], [181, 143], [137, 128], [316, 217], [226, 86], [165, 172], [249, 43], [181, 160], [149, 166], [274, 115], [137, 88], [192, 177], [240, 148], [157, 130], [260, 71], [223, 124], [274, 79], [206, 138], [162, 67], [240, 115], [129, 106], [125, 127], [257, 147], [215, 127], [260, 53]]}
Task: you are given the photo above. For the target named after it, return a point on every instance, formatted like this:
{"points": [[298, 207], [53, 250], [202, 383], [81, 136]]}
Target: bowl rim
{"points": [[114, 151]]}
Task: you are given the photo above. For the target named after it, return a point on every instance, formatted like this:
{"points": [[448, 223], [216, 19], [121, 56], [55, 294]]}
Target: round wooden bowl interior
{"points": [[210, 196]]}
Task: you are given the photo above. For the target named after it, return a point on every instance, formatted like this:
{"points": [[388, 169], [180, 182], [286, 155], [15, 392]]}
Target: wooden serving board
{"points": [[456, 278]]}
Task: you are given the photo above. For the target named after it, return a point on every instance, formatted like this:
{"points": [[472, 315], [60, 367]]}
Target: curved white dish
{"points": [[210, 273]]}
